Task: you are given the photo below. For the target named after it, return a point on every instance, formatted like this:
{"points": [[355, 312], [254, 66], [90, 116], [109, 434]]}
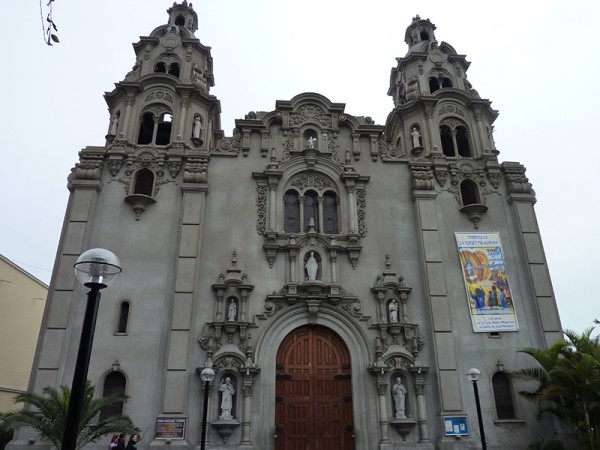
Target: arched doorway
{"points": [[313, 392]]}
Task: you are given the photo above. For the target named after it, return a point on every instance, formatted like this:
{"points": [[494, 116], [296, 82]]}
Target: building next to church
{"points": [[22, 301], [340, 276]]}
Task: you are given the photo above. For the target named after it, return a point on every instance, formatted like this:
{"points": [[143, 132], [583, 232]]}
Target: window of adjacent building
{"points": [[503, 396], [123, 318], [114, 383]]}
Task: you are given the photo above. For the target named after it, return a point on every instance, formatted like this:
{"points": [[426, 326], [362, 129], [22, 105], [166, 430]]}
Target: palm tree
{"points": [[568, 383], [49, 413]]}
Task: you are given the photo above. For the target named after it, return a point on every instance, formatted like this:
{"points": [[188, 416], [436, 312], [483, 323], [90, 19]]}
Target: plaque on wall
{"points": [[170, 428]]}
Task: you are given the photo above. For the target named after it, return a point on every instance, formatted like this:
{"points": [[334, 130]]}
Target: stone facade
{"points": [[306, 218]]}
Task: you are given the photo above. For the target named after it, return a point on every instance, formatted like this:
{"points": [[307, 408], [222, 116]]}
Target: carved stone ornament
{"points": [[148, 158], [450, 109], [310, 180], [89, 166], [312, 113], [159, 95], [516, 181], [229, 145], [388, 151], [422, 176], [195, 169]]}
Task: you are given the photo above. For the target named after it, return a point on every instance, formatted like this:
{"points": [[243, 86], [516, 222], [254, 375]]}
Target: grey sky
{"points": [[536, 61]]}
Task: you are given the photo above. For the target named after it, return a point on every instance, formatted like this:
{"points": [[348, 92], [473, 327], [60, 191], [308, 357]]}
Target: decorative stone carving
{"points": [[389, 152], [229, 145], [313, 113], [450, 109], [159, 95], [516, 181], [311, 180]]}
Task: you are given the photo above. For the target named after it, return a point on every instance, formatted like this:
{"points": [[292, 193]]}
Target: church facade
{"points": [[340, 276]]}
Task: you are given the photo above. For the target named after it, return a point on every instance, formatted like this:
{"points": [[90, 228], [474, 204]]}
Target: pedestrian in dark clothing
{"points": [[133, 440], [121, 442]]}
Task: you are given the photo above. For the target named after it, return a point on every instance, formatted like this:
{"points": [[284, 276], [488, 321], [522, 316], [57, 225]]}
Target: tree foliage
{"points": [[47, 412], [568, 384]]}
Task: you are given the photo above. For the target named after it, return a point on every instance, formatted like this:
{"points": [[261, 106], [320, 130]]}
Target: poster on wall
{"points": [[489, 296]]}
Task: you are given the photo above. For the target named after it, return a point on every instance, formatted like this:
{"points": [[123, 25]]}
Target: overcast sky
{"points": [[535, 60]]}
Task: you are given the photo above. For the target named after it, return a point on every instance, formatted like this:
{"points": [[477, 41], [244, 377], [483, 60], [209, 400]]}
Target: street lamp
{"points": [[207, 375], [96, 269], [474, 375]]}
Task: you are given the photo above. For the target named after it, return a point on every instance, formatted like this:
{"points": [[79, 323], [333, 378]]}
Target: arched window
{"points": [[291, 211], [469, 193], [146, 129], [310, 211], [424, 35], [462, 142], [330, 225], [434, 84], [454, 136], [446, 82], [180, 20], [123, 317], [114, 383], [174, 69], [163, 133], [144, 182], [503, 396], [160, 67], [447, 144]]}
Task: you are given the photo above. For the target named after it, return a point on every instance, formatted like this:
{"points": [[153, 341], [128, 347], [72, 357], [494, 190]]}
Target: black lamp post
{"points": [[96, 269], [207, 375], [474, 375]]}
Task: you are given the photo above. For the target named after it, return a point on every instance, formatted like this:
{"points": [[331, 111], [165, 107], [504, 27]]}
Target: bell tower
{"points": [[164, 101]]}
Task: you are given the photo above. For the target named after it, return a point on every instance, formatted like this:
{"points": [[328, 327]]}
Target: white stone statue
{"points": [[311, 142], [197, 129], [232, 312], [393, 310], [227, 399], [311, 267], [415, 137], [399, 395], [114, 124]]}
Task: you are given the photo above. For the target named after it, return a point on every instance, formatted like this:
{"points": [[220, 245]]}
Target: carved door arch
{"points": [[313, 392]]}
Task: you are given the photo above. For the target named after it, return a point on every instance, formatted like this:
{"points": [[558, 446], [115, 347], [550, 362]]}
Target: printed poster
{"points": [[489, 297]]}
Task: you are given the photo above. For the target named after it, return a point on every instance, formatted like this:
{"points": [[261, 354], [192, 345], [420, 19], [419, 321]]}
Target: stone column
{"points": [[273, 204], [384, 422], [247, 388], [320, 201], [125, 129], [430, 127], [184, 104], [419, 383], [352, 208], [193, 191], [480, 132]]}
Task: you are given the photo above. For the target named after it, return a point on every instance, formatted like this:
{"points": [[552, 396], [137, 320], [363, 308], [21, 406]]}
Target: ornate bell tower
{"points": [[163, 108]]}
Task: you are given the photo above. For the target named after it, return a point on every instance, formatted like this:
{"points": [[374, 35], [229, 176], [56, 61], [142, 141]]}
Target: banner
{"points": [[486, 282]]}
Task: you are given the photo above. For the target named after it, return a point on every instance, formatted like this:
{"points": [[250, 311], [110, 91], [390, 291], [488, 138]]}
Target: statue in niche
{"points": [[232, 311], [226, 388], [416, 136], [197, 128], [311, 142], [393, 311], [312, 266], [399, 396], [114, 124]]}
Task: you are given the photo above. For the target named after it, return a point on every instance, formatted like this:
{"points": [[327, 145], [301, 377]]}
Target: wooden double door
{"points": [[313, 392]]}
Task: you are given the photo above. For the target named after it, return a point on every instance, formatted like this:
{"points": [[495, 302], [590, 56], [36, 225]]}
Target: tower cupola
{"points": [[419, 31], [182, 15]]}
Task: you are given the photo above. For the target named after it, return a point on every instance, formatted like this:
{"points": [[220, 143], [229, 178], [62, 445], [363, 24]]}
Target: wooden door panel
{"points": [[313, 392]]}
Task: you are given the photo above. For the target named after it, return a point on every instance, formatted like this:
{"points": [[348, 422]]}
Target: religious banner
{"points": [[486, 281]]}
